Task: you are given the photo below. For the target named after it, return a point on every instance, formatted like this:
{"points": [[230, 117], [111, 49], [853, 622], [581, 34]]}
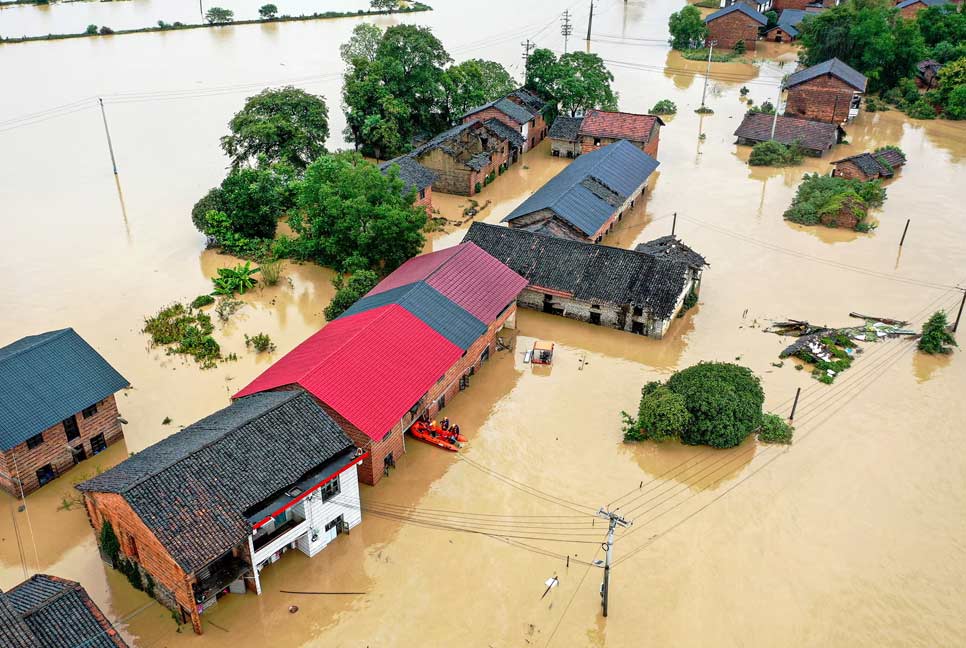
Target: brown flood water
{"points": [[850, 537]]}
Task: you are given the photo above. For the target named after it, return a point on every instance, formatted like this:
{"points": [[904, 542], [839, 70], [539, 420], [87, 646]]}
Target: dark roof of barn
{"points": [[50, 612], [514, 136], [413, 174], [192, 489], [47, 377], [877, 163], [621, 168], [530, 100], [565, 128], [670, 247], [789, 20], [754, 14], [516, 112], [588, 271], [834, 67], [812, 135]]}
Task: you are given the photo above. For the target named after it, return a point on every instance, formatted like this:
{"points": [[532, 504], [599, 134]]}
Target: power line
{"points": [[572, 597]]}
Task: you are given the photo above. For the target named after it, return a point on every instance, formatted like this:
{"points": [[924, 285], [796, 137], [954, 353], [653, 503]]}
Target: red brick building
{"points": [[813, 137], [787, 29], [402, 351], [909, 8], [59, 408], [734, 24], [881, 163], [521, 110], [465, 158], [599, 128], [830, 92], [201, 514], [415, 177]]}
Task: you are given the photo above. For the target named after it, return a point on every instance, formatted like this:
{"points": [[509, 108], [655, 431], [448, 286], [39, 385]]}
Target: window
{"points": [[132, 547], [88, 412], [98, 444], [70, 428], [441, 403], [596, 141], [46, 474], [330, 490], [422, 194], [280, 519], [35, 441], [637, 327], [638, 311], [595, 318], [485, 355]]}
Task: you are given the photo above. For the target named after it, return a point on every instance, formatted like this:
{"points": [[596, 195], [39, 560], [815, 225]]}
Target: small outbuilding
{"points": [[830, 92], [787, 30], [57, 408], [909, 8], [415, 178], [881, 164], [927, 74], [814, 137], [586, 199], [564, 136], [735, 24]]}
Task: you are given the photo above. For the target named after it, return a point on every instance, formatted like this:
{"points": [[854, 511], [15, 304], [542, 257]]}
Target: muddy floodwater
{"points": [[852, 536]]}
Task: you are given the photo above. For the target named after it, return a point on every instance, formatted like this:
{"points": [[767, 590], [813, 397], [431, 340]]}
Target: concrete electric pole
{"points": [[707, 72], [527, 48], [590, 19], [566, 28], [110, 147], [613, 521]]}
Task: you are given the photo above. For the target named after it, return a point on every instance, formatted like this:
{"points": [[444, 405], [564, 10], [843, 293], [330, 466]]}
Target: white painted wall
{"points": [[319, 513]]}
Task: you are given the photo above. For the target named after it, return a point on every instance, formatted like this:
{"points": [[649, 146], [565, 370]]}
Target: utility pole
{"points": [[707, 72], [527, 48], [566, 28], [960, 313], [778, 102], [904, 230], [674, 223], [613, 521], [590, 19], [110, 147]]}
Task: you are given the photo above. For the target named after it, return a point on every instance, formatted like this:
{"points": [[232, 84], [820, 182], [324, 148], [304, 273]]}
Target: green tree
{"points": [[724, 401], [951, 76], [942, 24], [774, 429], [664, 107], [475, 82], [662, 414], [353, 217], [268, 11], [384, 5], [363, 44], [687, 28], [91, 30], [253, 200], [211, 201], [284, 125], [936, 337], [575, 82], [349, 291], [110, 545], [955, 107], [217, 15], [542, 73]]}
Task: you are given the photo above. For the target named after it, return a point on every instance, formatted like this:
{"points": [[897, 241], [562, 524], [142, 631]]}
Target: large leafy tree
{"points": [[398, 92], [574, 83], [284, 125], [687, 28], [475, 82], [362, 45], [353, 217], [348, 291], [253, 199]]}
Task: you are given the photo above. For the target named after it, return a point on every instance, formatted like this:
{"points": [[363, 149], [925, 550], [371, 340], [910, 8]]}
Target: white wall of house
{"points": [[320, 513]]}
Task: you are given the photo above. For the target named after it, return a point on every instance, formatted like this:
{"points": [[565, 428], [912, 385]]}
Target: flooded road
{"points": [[851, 537]]}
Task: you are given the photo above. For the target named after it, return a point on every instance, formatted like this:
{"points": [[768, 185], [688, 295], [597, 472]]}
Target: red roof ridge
{"points": [[621, 112]]}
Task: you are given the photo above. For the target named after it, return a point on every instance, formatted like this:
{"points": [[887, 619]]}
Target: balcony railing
{"points": [[266, 545]]}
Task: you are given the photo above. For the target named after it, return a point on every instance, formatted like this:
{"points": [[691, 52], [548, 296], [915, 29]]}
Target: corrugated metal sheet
{"points": [[621, 166], [46, 378], [478, 282]]}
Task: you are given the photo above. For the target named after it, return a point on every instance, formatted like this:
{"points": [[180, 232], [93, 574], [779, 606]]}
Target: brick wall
{"points": [[151, 554], [493, 113], [427, 200], [826, 98], [734, 27], [588, 143], [851, 171], [781, 5], [779, 35], [23, 463], [909, 13]]}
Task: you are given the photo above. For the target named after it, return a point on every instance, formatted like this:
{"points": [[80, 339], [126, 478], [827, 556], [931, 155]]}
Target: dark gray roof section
{"points": [[588, 271], [193, 488], [425, 302], [834, 67], [811, 135], [754, 14], [534, 103], [565, 128], [789, 20], [671, 248], [47, 377], [444, 141], [515, 137], [57, 613], [517, 113], [621, 167], [413, 174]]}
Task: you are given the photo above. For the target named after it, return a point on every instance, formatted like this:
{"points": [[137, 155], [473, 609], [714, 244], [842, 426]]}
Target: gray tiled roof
{"points": [[444, 140], [193, 488], [877, 163], [515, 137], [621, 167], [588, 271], [670, 247], [517, 113], [47, 377], [425, 302], [565, 128], [834, 67], [534, 103], [413, 174], [789, 20], [57, 613], [811, 135], [754, 14]]}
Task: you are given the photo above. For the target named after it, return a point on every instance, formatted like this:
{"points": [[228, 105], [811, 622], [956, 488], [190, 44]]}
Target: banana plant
{"points": [[235, 280]]}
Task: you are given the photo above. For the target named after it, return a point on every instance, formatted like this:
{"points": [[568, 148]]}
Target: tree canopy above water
{"points": [[575, 82]]}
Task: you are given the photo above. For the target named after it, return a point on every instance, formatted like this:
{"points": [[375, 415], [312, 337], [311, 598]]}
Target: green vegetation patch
{"points": [[936, 338], [184, 331], [835, 202], [776, 154]]}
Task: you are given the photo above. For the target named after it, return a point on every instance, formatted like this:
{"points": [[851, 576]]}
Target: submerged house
{"points": [[464, 158], [601, 128], [57, 409], [522, 112], [50, 612], [636, 291], [564, 136], [586, 199], [735, 24], [830, 92], [909, 8], [204, 511], [403, 350], [813, 137], [787, 29], [415, 177], [869, 166]]}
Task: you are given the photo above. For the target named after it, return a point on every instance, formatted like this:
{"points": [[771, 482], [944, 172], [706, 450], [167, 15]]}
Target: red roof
{"points": [[618, 125], [370, 367], [466, 275]]}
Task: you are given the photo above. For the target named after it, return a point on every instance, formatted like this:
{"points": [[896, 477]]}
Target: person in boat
{"points": [[445, 424], [454, 433]]}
